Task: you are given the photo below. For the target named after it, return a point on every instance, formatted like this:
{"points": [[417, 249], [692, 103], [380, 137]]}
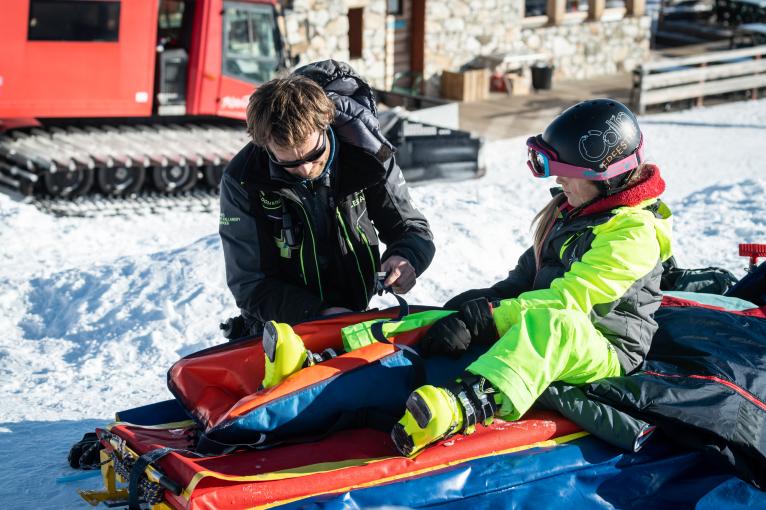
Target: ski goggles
{"points": [[542, 161], [310, 157]]}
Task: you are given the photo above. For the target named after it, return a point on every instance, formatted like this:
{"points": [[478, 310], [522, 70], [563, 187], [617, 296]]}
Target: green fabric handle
{"points": [[360, 335]]}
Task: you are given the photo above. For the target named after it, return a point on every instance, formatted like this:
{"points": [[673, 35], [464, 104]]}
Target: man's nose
{"points": [[304, 170]]}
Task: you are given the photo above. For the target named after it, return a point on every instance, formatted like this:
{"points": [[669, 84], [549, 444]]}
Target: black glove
{"points": [[238, 327], [448, 336], [452, 335]]}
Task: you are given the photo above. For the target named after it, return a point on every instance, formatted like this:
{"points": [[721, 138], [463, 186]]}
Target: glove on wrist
{"points": [[453, 334], [477, 316]]}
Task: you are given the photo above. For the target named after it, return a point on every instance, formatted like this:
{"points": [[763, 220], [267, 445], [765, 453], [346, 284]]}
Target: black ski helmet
{"points": [[595, 134]]}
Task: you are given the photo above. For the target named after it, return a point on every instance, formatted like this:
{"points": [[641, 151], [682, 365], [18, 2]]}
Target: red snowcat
{"points": [[114, 97]]}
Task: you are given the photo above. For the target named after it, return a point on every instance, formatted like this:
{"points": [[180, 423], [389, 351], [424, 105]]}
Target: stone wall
{"points": [[318, 30], [592, 48], [459, 30]]}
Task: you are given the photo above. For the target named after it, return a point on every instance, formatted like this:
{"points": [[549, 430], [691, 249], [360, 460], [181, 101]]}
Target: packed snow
{"points": [[93, 311]]}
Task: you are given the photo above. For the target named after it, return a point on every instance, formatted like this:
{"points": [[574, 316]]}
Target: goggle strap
{"points": [[553, 167]]}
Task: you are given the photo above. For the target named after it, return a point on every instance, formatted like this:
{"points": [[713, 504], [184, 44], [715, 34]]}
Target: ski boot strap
{"points": [[477, 398], [318, 357]]}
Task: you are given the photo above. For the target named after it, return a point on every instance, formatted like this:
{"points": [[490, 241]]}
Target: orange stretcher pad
{"points": [[221, 385]]}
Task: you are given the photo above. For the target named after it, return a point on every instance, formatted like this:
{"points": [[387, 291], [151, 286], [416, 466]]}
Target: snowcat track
{"points": [[98, 170], [122, 161], [94, 206]]}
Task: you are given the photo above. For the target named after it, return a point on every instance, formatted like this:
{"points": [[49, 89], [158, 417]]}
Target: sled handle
{"points": [[752, 250]]}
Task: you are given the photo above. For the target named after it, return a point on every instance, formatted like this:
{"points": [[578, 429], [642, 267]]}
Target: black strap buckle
{"points": [[476, 396]]}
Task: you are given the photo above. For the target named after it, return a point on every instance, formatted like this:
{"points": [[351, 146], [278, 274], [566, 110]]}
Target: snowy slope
{"points": [[93, 311]]}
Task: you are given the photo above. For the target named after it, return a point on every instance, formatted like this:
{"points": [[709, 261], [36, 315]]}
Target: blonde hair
{"points": [[544, 219], [286, 111]]}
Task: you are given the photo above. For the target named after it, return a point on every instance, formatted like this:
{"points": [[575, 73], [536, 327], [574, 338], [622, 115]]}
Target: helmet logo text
{"points": [[607, 145]]}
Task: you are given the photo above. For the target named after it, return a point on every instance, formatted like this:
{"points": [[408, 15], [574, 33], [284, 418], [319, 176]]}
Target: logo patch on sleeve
{"points": [[228, 220]]}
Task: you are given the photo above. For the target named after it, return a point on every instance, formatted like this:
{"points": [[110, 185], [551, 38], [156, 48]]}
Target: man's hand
{"points": [[334, 309], [401, 275]]}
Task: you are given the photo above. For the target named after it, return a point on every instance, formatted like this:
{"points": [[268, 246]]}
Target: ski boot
{"points": [[434, 413], [286, 354]]}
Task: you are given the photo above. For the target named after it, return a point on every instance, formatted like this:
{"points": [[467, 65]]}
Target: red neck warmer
{"points": [[651, 186]]}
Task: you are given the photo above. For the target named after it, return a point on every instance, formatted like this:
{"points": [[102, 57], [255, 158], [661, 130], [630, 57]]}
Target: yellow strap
{"points": [[161, 426]]}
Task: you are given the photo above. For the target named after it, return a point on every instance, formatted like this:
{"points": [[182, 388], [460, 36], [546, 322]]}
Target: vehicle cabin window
{"points": [[171, 22], [250, 47], [74, 20]]}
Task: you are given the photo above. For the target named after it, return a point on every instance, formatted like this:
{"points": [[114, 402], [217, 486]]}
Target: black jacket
{"points": [[703, 384], [292, 248]]}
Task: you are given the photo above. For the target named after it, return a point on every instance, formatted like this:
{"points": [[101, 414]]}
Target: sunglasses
{"points": [[310, 157], [542, 161]]}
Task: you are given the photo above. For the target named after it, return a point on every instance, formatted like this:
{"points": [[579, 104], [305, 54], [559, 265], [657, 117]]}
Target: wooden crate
{"points": [[470, 85], [518, 84]]}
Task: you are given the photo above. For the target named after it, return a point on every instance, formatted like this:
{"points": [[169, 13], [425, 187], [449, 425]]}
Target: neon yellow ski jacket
{"points": [[605, 262]]}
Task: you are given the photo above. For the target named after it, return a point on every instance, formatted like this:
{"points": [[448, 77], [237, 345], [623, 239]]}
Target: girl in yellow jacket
{"points": [[578, 306]]}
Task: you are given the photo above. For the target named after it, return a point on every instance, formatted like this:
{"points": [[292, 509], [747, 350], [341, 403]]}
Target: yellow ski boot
{"points": [[434, 413], [285, 353]]}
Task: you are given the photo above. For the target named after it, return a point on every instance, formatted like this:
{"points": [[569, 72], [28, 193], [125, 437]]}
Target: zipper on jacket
{"points": [[367, 245], [314, 245], [303, 269], [352, 250], [298, 201], [738, 389]]}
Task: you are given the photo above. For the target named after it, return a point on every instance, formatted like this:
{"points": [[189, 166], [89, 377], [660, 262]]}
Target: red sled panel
{"points": [[347, 459]]}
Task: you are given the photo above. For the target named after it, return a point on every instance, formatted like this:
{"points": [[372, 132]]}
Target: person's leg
{"points": [[545, 346]]}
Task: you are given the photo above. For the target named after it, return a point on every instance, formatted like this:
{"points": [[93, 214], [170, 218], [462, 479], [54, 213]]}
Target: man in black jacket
{"points": [[303, 205]]}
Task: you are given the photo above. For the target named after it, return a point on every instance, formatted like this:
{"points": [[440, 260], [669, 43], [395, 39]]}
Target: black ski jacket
{"points": [[293, 248], [703, 384]]}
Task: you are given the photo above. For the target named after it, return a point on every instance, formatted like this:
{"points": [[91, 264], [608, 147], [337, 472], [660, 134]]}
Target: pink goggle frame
{"points": [[542, 163]]}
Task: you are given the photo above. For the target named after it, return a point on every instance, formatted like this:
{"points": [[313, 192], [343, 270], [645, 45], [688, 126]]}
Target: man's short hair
{"points": [[285, 111]]}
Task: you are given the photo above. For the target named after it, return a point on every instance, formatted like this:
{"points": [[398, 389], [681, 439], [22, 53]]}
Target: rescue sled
{"points": [[224, 443]]}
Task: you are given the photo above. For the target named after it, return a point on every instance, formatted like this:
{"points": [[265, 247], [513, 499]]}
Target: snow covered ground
{"points": [[93, 311]]}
